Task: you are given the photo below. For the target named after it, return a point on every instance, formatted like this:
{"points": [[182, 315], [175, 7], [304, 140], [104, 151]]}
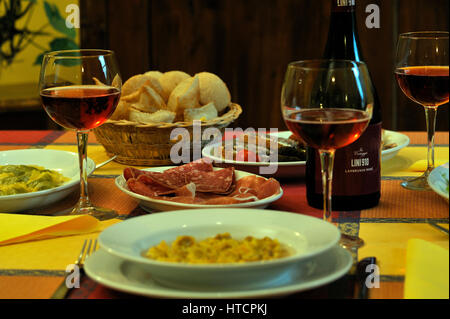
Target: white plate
{"points": [[304, 237], [113, 272], [151, 205], [393, 137], [63, 162], [438, 180], [284, 169]]}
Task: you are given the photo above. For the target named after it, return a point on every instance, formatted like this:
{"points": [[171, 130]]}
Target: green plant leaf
{"points": [[63, 44], [58, 44], [39, 59], [57, 21]]}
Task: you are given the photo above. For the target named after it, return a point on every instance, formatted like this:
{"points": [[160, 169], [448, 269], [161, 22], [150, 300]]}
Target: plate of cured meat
{"points": [[197, 185]]}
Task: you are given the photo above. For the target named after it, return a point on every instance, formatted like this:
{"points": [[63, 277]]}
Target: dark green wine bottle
{"points": [[357, 167]]}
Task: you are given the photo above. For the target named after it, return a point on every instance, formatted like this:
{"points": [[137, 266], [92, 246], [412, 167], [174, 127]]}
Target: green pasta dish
{"points": [[20, 179]]}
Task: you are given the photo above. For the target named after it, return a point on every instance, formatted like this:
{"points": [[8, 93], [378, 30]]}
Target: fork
{"points": [[106, 162], [63, 289]]}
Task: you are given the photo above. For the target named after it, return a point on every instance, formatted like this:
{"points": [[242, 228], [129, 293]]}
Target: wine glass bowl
{"points": [[80, 90], [328, 104], [422, 74]]}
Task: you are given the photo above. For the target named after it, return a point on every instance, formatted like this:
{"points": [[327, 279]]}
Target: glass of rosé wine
{"points": [[328, 104], [422, 74], [80, 90]]}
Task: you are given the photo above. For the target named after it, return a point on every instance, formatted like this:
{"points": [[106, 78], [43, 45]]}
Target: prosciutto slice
{"points": [[257, 186]]}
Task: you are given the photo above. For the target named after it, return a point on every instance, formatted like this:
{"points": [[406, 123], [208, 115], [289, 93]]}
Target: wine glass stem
{"points": [[82, 139], [430, 114], [326, 162]]}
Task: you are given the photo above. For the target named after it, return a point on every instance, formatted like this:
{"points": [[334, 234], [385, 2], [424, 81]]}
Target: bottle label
{"points": [[343, 6], [345, 3], [357, 167]]}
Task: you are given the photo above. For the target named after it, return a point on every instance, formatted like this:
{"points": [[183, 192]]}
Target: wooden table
{"points": [[35, 269]]}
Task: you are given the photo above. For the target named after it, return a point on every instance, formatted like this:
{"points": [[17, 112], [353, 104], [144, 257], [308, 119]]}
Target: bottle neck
{"points": [[343, 39], [342, 5]]}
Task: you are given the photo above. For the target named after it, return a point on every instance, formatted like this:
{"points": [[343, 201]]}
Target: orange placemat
{"points": [[70, 137], [396, 203], [28, 287], [420, 138]]}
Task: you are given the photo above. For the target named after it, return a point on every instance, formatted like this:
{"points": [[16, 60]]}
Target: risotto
{"points": [[219, 249]]}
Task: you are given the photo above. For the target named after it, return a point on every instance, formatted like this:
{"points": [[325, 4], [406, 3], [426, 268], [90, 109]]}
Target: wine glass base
{"points": [[418, 183], [97, 212], [350, 242]]}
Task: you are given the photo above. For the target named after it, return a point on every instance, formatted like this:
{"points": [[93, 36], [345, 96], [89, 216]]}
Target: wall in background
{"points": [[249, 43]]}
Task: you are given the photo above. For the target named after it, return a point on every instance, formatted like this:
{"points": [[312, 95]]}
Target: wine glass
{"points": [[80, 90], [328, 104], [422, 74]]}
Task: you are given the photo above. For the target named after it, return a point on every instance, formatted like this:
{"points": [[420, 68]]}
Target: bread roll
{"points": [[156, 74], [122, 111], [116, 82], [204, 113], [149, 100], [213, 89], [98, 82], [133, 84], [132, 98], [170, 80], [184, 96], [161, 116], [154, 83]]}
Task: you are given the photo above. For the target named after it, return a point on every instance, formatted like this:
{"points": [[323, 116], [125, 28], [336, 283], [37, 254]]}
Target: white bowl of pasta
{"points": [[285, 242], [61, 162]]}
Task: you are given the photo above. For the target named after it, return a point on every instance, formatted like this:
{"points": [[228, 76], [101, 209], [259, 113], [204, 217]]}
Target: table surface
{"points": [[35, 269]]}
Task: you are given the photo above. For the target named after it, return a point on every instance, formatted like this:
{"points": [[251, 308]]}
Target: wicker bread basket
{"points": [[149, 144]]}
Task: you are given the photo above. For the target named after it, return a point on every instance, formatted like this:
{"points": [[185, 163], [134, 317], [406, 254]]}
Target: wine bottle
{"points": [[357, 167]]}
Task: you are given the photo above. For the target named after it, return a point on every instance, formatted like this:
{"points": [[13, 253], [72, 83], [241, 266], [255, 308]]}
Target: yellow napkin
{"points": [[426, 271], [421, 166], [411, 161], [15, 228]]}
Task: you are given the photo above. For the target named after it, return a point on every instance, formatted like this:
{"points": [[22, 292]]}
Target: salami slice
{"points": [[177, 177], [201, 165], [213, 182], [140, 188], [131, 172], [199, 173], [154, 186]]}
